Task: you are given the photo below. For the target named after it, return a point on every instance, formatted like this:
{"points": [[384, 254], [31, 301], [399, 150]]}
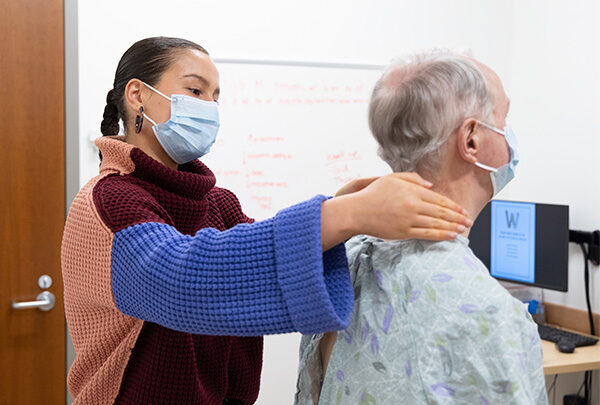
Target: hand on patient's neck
{"points": [[464, 188]]}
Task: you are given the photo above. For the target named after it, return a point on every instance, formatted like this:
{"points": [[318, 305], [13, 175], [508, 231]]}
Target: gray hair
{"points": [[419, 102]]}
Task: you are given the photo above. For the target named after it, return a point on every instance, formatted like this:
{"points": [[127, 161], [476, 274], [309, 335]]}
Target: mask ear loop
{"points": [[481, 165], [141, 115], [156, 91], [496, 130], [139, 120], [486, 167]]}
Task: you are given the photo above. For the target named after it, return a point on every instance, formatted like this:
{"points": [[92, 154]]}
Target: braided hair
{"points": [[110, 118], [145, 60]]}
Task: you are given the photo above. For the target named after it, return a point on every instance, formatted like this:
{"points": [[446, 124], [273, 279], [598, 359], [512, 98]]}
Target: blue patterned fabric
{"points": [[253, 279], [430, 326]]}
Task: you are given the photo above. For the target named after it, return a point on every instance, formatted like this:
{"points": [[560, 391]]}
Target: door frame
{"points": [[71, 23]]}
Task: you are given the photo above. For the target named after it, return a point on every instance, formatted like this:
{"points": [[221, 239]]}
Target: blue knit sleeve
{"points": [[253, 279]]}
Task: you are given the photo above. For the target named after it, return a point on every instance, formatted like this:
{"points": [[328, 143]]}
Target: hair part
{"points": [[145, 60], [417, 104]]}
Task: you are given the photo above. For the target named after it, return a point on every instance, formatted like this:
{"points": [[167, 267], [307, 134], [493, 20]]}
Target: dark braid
{"points": [[110, 119], [145, 60]]}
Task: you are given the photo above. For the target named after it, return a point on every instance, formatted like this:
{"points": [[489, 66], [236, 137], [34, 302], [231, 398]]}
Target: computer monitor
{"points": [[524, 242]]}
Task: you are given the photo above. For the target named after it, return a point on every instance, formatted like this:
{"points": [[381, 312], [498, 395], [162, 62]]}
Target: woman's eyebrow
{"points": [[202, 79], [204, 82]]}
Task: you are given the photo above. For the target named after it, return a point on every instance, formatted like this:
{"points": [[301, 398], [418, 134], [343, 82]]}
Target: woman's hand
{"points": [[396, 206], [359, 184], [355, 185]]}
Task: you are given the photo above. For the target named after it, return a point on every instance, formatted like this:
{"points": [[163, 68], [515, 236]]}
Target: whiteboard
{"points": [[290, 132]]}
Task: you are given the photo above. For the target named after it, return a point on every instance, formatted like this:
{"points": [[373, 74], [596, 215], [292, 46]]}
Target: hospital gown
{"points": [[430, 326]]}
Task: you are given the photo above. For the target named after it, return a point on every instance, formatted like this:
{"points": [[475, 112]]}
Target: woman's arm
{"points": [[253, 279], [268, 277]]}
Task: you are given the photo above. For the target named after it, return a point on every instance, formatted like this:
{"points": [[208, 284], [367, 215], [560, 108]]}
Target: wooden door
{"points": [[32, 199]]}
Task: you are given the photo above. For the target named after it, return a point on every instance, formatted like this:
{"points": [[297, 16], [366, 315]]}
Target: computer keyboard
{"points": [[558, 335]]}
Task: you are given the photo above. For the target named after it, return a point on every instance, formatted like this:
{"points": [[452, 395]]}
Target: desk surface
{"points": [[582, 359]]}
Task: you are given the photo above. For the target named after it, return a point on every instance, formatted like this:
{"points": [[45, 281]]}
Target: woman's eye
{"points": [[196, 92]]}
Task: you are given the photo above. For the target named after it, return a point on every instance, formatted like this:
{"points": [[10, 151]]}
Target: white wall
{"points": [[556, 113], [556, 116], [547, 56]]}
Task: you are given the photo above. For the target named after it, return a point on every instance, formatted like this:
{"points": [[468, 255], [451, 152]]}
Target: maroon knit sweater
{"points": [[166, 366]]}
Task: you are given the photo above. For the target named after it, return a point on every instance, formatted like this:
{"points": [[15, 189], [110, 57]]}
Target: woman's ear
{"points": [[468, 140], [133, 94]]}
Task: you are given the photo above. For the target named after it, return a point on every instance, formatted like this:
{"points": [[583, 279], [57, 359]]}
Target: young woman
{"points": [[168, 285]]}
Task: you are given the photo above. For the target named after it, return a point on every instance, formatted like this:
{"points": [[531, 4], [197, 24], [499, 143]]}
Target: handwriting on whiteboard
{"points": [[288, 133]]}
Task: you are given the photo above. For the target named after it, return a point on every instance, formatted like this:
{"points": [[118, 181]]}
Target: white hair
{"points": [[418, 102]]}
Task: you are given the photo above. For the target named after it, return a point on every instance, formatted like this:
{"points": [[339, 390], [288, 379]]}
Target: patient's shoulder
{"points": [[368, 253], [449, 280], [354, 246]]}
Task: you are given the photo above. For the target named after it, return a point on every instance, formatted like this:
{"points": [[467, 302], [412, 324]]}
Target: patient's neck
{"points": [[464, 189]]}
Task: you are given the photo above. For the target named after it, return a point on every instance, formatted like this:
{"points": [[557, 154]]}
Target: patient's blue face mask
{"points": [[504, 174], [191, 130]]}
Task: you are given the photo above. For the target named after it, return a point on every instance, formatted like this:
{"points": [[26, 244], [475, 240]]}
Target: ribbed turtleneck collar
{"points": [[192, 180]]}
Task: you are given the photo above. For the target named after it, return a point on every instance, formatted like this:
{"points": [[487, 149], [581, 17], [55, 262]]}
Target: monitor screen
{"points": [[524, 242]]}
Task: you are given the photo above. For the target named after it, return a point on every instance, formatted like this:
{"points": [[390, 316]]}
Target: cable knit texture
{"points": [[169, 286]]}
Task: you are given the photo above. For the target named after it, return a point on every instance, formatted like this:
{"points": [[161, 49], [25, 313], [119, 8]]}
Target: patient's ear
{"points": [[468, 140]]}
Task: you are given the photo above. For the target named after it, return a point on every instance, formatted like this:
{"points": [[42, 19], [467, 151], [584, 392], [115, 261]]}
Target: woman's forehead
{"points": [[193, 64]]}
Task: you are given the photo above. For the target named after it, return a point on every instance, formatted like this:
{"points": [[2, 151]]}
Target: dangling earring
{"points": [[139, 120]]}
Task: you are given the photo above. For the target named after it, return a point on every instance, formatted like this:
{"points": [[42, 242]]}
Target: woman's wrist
{"points": [[338, 221]]}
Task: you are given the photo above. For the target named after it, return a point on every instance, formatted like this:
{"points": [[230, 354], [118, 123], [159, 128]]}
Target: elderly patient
{"points": [[430, 325]]}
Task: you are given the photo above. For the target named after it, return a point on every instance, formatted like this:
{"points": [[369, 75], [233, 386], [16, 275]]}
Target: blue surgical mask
{"points": [[191, 130], [504, 174]]}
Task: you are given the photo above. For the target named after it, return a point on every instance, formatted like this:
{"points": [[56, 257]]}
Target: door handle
{"points": [[44, 302]]}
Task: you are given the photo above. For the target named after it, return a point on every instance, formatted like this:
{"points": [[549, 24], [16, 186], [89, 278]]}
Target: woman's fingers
{"points": [[431, 234], [443, 201], [423, 221], [446, 214], [413, 178]]}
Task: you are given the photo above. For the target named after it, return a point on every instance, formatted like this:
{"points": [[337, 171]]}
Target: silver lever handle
{"points": [[44, 301]]}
